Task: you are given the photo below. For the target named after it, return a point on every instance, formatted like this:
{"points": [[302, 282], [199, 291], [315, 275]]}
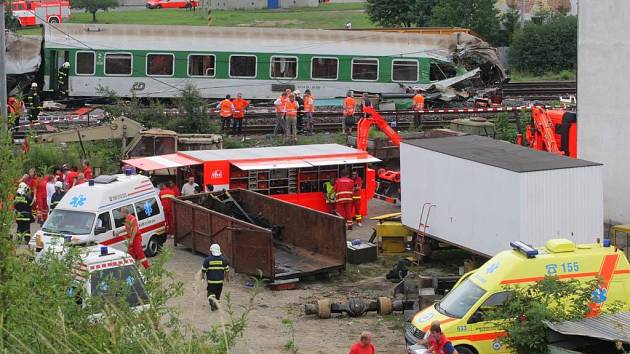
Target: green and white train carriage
{"points": [[158, 61]]}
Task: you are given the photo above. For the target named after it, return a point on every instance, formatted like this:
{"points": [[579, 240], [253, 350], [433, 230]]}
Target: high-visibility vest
{"points": [[329, 192], [418, 102], [348, 106], [281, 107], [309, 104], [291, 108], [239, 107], [226, 108]]}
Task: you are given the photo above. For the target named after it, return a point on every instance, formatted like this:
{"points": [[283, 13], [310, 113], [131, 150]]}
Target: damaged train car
{"points": [[158, 61], [23, 61]]}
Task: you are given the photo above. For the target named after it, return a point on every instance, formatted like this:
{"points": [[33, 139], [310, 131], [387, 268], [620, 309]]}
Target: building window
{"points": [[118, 64], [201, 65], [405, 70], [365, 69], [160, 64], [242, 66], [85, 63], [283, 67], [324, 68]]}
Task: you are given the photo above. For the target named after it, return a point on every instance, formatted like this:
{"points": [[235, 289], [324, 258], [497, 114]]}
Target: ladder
{"points": [[419, 242]]}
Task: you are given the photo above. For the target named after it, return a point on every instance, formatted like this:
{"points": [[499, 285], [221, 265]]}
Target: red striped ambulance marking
{"points": [[123, 235], [480, 336]]}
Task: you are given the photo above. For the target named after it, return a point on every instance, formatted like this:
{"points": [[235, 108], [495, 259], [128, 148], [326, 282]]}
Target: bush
{"points": [[505, 130], [549, 46], [101, 154]]}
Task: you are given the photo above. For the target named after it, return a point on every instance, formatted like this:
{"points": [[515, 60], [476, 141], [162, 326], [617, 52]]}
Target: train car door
{"points": [[56, 59], [273, 4]]}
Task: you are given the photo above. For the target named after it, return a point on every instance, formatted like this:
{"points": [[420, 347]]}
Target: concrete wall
{"points": [[603, 88]]}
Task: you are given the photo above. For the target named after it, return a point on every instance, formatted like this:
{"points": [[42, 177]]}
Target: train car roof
{"points": [[252, 40]]}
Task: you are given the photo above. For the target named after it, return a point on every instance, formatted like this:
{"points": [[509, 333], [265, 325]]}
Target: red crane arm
{"points": [[544, 134], [374, 118]]}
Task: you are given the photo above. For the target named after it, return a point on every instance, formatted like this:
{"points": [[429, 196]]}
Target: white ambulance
{"points": [[90, 213]]}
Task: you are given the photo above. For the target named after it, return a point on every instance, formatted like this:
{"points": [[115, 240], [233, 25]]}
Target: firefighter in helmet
{"points": [[23, 206], [62, 80], [34, 102]]}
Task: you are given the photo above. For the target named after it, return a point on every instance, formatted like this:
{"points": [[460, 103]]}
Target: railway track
{"points": [[542, 90]]}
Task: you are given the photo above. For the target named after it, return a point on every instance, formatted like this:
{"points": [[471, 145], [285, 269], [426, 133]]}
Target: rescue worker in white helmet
{"points": [[23, 206], [33, 102], [215, 268], [62, 80]]}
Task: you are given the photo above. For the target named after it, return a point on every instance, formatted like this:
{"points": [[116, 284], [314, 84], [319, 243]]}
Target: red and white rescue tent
{"points": [[292, 173]]}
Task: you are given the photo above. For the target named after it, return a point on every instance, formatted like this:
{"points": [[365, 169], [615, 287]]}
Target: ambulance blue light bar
{"points": [[525, 249]]}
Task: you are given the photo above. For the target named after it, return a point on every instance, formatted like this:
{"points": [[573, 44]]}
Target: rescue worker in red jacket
{"points": [[356, 197], [166, 194], [344, 189], [134, 236]]}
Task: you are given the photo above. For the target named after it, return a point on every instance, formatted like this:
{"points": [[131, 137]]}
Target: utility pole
{"points": [[522, 14], [3, 74]]}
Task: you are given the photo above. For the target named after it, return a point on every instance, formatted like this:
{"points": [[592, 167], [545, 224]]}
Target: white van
{"points": [[91, 213]]}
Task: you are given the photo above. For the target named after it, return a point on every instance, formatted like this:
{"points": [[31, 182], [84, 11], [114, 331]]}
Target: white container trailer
{"points": [[487, 193]]}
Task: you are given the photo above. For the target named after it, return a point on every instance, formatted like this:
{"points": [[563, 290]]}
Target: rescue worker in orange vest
{"points": [[291, 108], [226, 110], [134, 236], [344, 189], [348, 113], [356, 196], [309, 109], [418, 105], [280, 104], [166, 194], [240, 106]]}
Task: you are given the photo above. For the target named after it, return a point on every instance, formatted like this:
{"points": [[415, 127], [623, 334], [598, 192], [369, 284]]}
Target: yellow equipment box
{"points": [[391, 233]]}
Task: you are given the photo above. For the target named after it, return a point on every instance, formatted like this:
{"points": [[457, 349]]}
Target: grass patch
{"points": [[325, 16], [564, 75], [357, 272], [236, 142], [393, 321]]}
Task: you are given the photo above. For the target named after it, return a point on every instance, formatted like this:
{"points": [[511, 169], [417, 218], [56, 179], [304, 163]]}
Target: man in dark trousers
{"points": [[56, 197], [34, 103], [62, 80], [215, 267], [23, 206]]}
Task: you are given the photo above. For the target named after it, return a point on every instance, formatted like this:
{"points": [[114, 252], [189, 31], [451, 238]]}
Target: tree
{"points": [[400, 13], [10, 22], [510, 20], [550, 299], [548, 46], [480, 16], [92, 6]]}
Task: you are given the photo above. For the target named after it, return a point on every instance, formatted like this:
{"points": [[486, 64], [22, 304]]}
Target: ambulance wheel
{"points": [[384, 306], [153, 247], [465, 350], [323, 309], [53, 20]]}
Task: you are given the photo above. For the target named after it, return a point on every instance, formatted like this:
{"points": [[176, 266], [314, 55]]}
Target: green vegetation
{"points": [[43, 311], [10, 23], [548, 45], [504, 128], [325, 16], [401, 13], [564, 75], [479, 15], [92, 6], [550, 299], [101, 154]]}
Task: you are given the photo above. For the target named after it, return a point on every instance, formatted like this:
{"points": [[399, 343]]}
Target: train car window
{"points": [[243, 66], [283, 67], [201, 65], [365, 69], [85, 63], [118, 64], [160, 64], [405, 70], [324, 68], [440, 71]]}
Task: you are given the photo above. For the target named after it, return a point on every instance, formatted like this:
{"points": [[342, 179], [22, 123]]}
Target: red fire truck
{"points": [[32, 13], [295, 174]]}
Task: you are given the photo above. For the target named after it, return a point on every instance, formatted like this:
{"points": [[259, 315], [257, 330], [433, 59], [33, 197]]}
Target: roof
{"points": [[249, 39], [621, 228], [92, 258], [101, 195], [610, 327], [319, 152], [152, 163], [498, 153]]}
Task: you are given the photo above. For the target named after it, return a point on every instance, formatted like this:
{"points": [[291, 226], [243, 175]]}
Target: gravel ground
{"points": [[266, 333]]}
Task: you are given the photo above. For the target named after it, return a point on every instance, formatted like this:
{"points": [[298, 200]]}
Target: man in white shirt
{"points": [[189, 187], [50, 190]]}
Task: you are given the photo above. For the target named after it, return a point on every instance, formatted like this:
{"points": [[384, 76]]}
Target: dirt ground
{"points": [[266, 332]]}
